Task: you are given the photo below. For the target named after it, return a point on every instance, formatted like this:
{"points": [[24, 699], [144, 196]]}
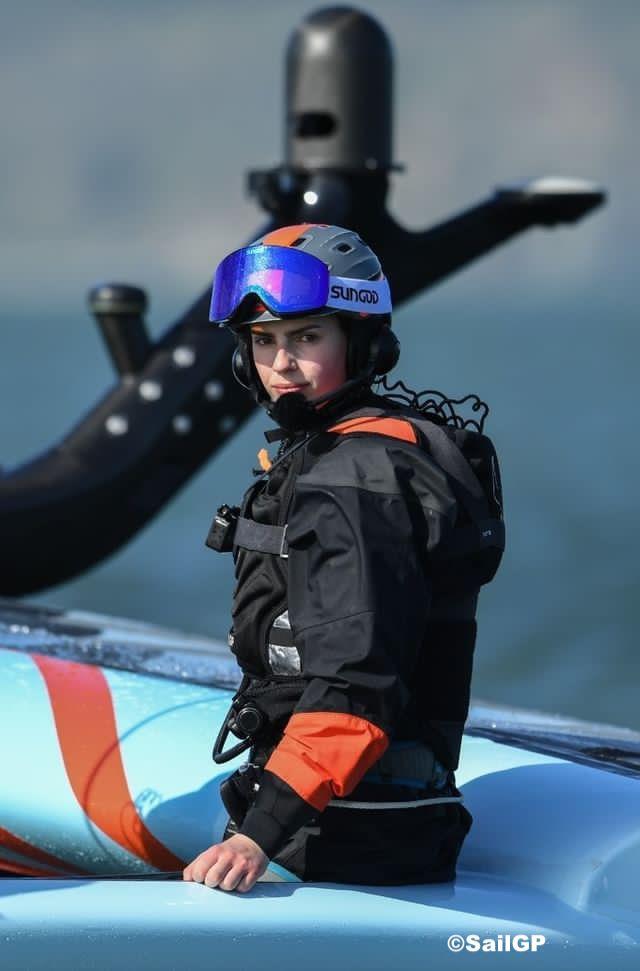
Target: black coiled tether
{"points": [[245, 723]]}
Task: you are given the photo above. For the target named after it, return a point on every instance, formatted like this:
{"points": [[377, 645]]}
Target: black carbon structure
{"points": [[175, 401]]}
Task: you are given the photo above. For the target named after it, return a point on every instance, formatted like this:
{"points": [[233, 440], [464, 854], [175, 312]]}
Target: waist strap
{"points": [[407, 804], [408, 763]]}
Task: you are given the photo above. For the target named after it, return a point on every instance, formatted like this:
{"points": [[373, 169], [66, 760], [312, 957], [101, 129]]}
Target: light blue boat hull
{"points": [[554, 850], [104, 925]]}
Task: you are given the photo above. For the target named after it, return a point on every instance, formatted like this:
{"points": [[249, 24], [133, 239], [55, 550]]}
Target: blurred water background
{"points": [[127, 129]]}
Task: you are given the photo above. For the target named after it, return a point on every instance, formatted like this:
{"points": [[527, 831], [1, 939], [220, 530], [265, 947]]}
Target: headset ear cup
{"points": [[385, 352], [372, 347], [239, 368], [244, 372]]}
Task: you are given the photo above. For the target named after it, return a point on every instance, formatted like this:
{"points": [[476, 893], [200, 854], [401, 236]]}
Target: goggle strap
{"points": [[357, 296]]}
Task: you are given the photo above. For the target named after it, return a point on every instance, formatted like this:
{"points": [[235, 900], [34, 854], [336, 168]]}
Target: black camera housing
{"points": [[223, 528]]}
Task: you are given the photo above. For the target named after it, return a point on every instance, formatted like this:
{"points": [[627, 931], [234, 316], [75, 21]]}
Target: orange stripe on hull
{"points": [[325, 753], [88, 737], [12, 842], [393, 427], [23, 870]]}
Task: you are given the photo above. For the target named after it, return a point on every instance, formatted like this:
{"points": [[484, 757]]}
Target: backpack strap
{"points": [[486, 530], [450, 457]]}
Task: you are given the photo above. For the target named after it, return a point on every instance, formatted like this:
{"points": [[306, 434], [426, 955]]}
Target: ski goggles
{"points": [[289, 282]]}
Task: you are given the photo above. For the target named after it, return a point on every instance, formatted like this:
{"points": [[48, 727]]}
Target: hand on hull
{"points": [[235, 864]]}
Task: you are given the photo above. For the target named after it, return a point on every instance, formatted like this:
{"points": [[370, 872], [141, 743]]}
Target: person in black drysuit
{"points": [[356, 653]]}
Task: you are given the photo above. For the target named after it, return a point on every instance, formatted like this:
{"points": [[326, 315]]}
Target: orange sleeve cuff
{"points": [[323, 754]]}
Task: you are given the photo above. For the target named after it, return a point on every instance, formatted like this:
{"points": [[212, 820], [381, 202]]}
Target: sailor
{"points": [[359, 552]]}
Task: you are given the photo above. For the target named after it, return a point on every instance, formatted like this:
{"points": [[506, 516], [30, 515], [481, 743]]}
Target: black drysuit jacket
{"points": [[350, 649]]}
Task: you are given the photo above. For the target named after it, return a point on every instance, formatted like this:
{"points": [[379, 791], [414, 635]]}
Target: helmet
{"points": [[239, 298]]}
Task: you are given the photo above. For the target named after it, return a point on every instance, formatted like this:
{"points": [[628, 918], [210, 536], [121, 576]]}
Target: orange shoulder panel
{"points": [[325, 753], [393, 427], [285, 235]]}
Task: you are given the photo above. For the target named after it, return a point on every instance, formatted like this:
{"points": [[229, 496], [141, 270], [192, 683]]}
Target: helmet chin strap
{"points": [[294, 412]]}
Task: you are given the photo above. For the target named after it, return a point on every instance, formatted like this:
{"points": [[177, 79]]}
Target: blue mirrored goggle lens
{"points": [[286, 280]]}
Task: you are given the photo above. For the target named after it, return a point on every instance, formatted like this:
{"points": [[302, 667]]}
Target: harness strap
{"points": [[251, 535], [450, 458]]}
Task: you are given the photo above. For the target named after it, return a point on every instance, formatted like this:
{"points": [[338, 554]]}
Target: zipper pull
{"points": [[264, 460]]}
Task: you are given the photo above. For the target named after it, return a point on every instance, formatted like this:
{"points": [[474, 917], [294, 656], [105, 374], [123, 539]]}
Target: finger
{"points": [[248, 882], [203, 863], [234, 876], [216, 874], [189, 871]]}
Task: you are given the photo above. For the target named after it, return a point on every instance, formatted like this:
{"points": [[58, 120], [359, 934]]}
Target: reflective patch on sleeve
{"points": [[284, 660]]}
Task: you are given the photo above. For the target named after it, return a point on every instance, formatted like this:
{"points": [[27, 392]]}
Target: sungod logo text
{"points": [[338, 292]]}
